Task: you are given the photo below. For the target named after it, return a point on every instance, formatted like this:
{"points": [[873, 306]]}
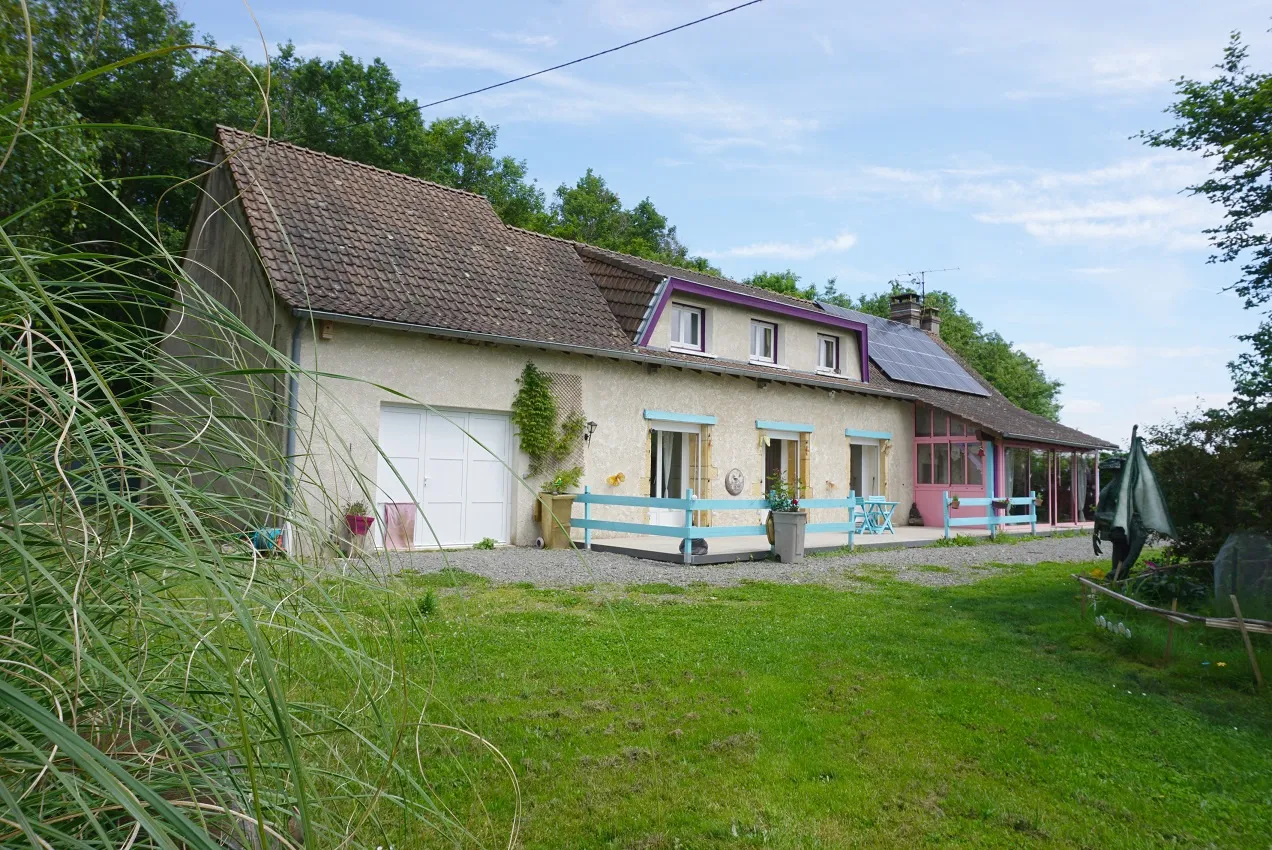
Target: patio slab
{"points": [[727, 550]]}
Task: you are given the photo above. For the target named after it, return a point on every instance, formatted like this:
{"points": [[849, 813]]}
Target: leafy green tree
{"points": [[784, 283], [590, 211], [46, 158], [1228, 121], [1013, 373]]}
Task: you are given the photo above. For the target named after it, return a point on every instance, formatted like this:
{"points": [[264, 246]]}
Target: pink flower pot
{"points": [[359, 525]]}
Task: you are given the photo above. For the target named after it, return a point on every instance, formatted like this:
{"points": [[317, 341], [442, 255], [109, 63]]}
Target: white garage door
{"points": [[461, 483]]}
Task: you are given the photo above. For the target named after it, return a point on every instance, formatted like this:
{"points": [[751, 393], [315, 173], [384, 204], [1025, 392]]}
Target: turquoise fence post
{"points": [[1033, 512], [587, 517], [688, 541], [946, 499]]}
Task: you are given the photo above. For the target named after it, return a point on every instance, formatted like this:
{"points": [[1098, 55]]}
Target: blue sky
{"points": [[860, 141]]}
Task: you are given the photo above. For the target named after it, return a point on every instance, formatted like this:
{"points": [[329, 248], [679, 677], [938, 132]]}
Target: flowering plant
{"points": [[782, 496]]}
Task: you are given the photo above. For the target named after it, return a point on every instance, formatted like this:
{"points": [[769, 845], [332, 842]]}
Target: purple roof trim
{"points": [[688, 287]]}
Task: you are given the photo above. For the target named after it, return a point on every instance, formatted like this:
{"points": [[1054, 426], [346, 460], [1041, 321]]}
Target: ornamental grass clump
{"points": [[161, 683]]}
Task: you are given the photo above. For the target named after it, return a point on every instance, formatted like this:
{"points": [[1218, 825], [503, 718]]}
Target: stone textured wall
{"points": [[457, 374], [729, 336]]}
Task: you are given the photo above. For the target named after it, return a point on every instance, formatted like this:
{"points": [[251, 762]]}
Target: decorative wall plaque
{"points": [[734, 481]]}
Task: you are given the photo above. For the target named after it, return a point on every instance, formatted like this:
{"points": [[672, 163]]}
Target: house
{"points": [[688, 381]]}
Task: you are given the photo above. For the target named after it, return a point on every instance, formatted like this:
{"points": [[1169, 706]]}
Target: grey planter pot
{"points": [[788, 535]]}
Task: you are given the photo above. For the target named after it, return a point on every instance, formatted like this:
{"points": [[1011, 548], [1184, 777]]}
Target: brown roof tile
{"points": [[629, 293], [343, 237], [657, 271]]}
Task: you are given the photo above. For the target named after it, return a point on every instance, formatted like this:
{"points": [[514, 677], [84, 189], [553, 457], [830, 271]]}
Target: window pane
{"points": [[975, 464], [762, 340], [957, 474], [695, 329], [940, 423], [1018, 478], [956, 427], [922, 420], [925, 463], [1064, 487], [941, 463], [1087, 494], [677, 320]]}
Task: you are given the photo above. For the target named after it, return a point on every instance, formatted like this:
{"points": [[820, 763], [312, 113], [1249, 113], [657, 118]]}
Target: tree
{"points": [[784, 283], [49, 160], [1228, 121], [1013, 373], [591, 212]]}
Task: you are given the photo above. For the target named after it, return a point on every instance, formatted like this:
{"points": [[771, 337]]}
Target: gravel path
{"points": [[935, 567]]}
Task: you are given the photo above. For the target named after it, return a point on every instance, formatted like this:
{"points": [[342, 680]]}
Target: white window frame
{"points": [[833, 368], [679, 314], [758, 329]]}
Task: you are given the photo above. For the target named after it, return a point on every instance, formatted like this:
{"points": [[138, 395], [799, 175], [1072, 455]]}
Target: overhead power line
{"points": [[421, 107]]}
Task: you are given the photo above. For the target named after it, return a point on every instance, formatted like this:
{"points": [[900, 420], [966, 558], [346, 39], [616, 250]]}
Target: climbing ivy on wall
{"points": [[545, 441]]}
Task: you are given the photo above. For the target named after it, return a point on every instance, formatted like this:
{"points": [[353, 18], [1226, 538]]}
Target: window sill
{"points": [[696, 352], [830, 373], [754, 361]]}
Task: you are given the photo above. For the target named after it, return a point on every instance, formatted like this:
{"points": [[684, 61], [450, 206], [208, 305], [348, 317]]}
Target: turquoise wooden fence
{"points": [[992, 518], [688, 531]]}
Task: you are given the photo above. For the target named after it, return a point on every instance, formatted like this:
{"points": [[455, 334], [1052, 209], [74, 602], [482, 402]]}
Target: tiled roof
{"points": [[654, 270], [381, 245], [342, 237], [629, 293]]}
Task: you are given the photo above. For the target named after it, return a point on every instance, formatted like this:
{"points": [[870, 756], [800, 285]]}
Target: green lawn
{"points": [[986, 715]]}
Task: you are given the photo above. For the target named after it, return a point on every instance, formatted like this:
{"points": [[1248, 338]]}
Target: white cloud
{"points": [[722, 121], [1135, 201], [525, 39], [789, 250], [1112, 356]]}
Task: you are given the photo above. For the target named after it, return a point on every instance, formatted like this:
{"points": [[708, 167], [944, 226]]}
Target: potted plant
{"points": [[1002, 503], [358, 522], [555, 507], [787, 522], [954, 502]]}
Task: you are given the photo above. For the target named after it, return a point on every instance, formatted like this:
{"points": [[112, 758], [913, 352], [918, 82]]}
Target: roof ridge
{"points": [[389, 172], [621, 256]]}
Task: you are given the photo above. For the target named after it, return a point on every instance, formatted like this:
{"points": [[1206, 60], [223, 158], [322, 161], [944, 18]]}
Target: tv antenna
{"points": [[921, 277]]}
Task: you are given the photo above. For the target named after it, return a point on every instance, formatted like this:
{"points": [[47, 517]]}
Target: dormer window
{"points": [[764, 342], [827, 353], [687, 328]]}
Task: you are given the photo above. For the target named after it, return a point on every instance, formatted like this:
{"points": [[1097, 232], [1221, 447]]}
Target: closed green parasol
{"points": [[1131, 506]]}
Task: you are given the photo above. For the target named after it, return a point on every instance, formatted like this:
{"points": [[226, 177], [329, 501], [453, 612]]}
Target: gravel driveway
{"points": [[933, 566]]}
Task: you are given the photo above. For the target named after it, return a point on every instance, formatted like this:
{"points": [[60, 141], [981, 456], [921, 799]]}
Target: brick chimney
{"points": [[931, 321], [906, 308]]}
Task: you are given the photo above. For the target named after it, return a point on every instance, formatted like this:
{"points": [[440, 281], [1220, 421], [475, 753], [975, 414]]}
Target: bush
{"points": [[485, 543], [427, 605]]}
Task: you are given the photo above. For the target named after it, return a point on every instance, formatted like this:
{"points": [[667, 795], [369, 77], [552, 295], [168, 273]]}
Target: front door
{"points": [[668, 474], [864, 460]]}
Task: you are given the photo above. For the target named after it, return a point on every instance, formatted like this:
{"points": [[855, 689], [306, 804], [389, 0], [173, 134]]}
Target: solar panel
{"points": [[908, 354]]}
